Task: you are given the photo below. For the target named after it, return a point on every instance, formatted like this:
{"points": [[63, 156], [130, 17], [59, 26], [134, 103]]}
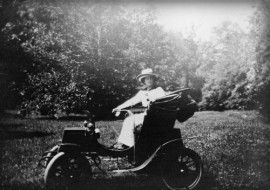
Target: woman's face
{"points": [[149, 81]]}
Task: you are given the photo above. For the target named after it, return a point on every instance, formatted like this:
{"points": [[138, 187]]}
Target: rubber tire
{"points": [[53, 152], [178, 166], [67, 171]]}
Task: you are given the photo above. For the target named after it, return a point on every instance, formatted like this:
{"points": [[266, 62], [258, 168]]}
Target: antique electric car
{"points": [[158, 150]]}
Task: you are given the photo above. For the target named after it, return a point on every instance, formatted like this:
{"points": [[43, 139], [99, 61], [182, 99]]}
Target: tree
{"points": [[187, 58], [227, 61], [260, 88], [12, 57], [88, 65]]}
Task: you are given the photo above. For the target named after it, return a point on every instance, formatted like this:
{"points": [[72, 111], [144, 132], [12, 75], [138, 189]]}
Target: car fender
{"points": [[171, 145], [70, 148]]}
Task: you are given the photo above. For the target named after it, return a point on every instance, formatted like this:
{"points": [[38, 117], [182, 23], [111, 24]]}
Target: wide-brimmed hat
{"points": [[145, 73]]}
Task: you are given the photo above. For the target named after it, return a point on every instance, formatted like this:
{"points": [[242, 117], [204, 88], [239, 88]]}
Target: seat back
{"points": [[160, 119], [158, 125]]}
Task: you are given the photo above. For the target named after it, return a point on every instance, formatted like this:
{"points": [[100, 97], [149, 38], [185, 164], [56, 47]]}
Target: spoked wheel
{"points": [[182, 170], [67, 171]]}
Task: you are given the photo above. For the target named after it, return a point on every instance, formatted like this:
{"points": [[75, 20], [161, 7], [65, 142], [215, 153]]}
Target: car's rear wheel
{"points": [[181, 170]]}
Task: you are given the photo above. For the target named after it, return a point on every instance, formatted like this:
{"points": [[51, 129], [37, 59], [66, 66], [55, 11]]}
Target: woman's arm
{"points": [[132, 101]]}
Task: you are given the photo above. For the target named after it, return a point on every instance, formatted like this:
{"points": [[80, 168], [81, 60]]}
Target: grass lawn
{"points": [[234, 146]]}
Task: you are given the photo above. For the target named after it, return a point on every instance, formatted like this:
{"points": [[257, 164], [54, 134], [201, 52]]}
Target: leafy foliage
{"points": [[92, 62], [66, 56], [260, 86], [231, 58]]}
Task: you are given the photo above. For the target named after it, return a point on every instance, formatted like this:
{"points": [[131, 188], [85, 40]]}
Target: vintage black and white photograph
{"points": [[134, 94]]}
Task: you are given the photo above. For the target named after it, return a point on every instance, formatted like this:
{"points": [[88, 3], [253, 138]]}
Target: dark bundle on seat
{"points": [[179, 102]]}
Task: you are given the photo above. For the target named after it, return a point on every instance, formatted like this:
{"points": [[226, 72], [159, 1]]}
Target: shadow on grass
{"points": [[114, 183], [5, 126], [10, 131], [11, 115], [137, 182], [209, 182], [75, 118], [63, 118]]}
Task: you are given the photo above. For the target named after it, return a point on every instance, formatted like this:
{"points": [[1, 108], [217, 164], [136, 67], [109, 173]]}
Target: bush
{"points": [[264, 100]]}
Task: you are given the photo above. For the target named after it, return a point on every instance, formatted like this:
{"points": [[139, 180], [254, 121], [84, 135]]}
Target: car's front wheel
{"points": [[67, 171]]}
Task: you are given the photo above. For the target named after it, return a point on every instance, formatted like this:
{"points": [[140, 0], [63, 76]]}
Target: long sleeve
{"points": [[144, 96], [132, 101]]}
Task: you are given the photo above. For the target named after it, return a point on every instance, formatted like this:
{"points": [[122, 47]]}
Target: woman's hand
{"points": [[117, 109]]}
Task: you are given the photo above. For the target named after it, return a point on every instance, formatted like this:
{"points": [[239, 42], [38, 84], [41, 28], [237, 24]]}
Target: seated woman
{"points": [[149, 93]]}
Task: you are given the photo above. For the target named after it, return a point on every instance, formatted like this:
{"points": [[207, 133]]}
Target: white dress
{"points": [[145, 97]]}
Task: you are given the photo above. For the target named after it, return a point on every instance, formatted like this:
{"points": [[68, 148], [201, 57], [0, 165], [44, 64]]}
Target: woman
{"points": [[149, 93]]}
